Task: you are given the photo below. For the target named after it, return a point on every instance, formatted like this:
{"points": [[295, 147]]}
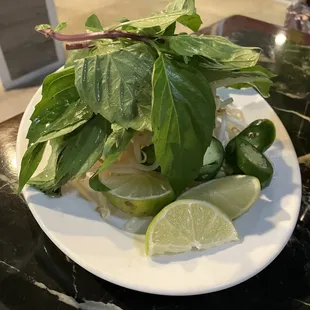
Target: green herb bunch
{"points": [[134, 76]]}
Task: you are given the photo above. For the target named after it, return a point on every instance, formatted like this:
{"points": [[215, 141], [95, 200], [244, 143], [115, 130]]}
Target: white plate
{"points": [[109, 252]]}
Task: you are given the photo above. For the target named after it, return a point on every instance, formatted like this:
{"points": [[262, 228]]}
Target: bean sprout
{"points": [[235, 112], [137, 150], [134, 166], [101, 203], [226, 137], [236, 121], [122, 170], [144, 157], [223, 126], [229, 120], [225, 103]]}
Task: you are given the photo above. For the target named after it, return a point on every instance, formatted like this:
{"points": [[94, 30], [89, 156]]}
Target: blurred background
{"points": [[76, 11], [27, 56]]}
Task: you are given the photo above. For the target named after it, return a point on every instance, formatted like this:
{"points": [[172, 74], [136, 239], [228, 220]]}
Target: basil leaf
{"points": [[215, 48], [118, 85], [262, 85], [152, 31], [193, 22], [101, 47], [56, 82], [83, 148], [73, 55], [93, 24], [106, 47], [115, 144], [95, 184], [260, 69], [30, 163], [60, 27], [183, 119], [255, 71], [125, 27], [256, 76], [212, 64], [43, 27], [165, 18], [123, 20], [170, 30], [75, 115], [181, 5], [45, 181], [60, 111]]}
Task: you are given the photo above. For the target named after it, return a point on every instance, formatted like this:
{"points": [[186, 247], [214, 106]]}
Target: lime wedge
{"points": [[234, 195], [187, 224], [142, 194]]}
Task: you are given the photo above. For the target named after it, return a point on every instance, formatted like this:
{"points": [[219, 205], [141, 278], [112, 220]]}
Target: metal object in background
{"points": [[298, 16]]}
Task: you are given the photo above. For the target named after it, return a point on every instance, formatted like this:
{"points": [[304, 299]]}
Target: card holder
{"points": [[26, 55]]}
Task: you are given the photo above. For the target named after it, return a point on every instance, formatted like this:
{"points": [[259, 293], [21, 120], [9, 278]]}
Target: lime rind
{"points": [[201, 227], [140, 195], [234, 195]]}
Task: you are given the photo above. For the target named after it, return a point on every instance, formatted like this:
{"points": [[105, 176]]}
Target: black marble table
{"points": [[34, 274]]}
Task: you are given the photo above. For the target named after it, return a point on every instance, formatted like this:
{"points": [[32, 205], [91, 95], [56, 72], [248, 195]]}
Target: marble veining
{"points": [[86, 305], [303, 302]]}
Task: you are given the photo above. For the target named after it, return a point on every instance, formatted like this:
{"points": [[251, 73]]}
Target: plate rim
{"points": [[108, 276]]}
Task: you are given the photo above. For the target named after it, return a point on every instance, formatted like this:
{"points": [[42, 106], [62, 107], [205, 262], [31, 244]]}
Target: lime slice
{"points": [[187, 224], [234, 195], [142, 194]]}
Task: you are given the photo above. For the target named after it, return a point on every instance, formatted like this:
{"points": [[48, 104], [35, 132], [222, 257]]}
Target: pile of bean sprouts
{"points": [[229, 122]]}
